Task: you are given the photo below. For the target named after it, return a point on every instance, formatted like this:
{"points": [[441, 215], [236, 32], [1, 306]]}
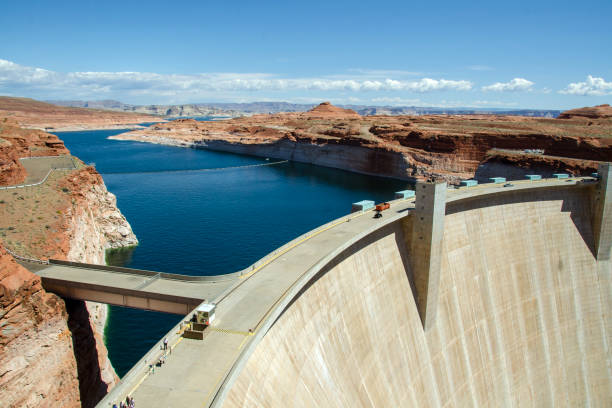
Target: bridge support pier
{"points": [[602, 213], [425, 247]]}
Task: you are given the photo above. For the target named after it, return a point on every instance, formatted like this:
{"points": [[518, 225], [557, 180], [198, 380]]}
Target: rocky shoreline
{"points": [[357, 159], [404, 147], [76, 128]]}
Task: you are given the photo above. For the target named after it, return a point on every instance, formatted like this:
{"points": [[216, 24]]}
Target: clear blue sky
{"points": [[536, 54]]}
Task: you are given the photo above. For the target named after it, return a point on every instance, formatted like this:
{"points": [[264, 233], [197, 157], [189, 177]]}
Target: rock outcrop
{"points": [[326, 110], [16, 142], [37, 364], [405, 147], [595, 112], [94, 219]]}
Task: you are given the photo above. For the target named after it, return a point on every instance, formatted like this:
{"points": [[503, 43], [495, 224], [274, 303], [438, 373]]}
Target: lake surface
{"points": [[207, 222]]}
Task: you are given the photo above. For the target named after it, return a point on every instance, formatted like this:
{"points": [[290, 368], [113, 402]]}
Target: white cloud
{"points": [[27, 81], [517, 84], [593, 86]]}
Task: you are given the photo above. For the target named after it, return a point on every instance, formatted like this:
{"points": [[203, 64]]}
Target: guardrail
{"points": [[36, 184], [25, 258], [143, 272], [44, 179]]}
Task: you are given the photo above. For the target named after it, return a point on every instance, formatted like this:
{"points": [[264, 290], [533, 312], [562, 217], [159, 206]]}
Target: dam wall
{"points": [[523, 316]]}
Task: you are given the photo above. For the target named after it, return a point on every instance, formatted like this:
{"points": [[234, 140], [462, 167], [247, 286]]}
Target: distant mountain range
{"points": [[246, 109]]}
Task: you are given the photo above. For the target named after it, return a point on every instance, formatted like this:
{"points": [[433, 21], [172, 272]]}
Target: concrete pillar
{"points": [[602, 213], [426, 247]]}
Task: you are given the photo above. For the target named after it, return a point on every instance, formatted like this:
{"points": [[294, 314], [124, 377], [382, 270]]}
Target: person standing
{"points": [[166, 343]]}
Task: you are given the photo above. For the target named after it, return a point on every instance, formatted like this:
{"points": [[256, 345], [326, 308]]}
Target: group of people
{"points": [[129, 403]]}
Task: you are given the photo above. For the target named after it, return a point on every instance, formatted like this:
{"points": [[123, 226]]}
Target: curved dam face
{"points": [[523, 317]]}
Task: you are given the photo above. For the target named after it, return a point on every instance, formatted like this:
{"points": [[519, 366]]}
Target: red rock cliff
{"points": [[16, 142], [37, 365], [52, 352]]}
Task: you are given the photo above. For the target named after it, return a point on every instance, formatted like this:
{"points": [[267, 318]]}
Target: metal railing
{"points": [[25, 258], [38, 183], [44, 179]]}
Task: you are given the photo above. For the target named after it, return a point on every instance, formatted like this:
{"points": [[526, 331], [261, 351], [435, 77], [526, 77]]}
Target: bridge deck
{"points": [[163, 292], [196, 370]]}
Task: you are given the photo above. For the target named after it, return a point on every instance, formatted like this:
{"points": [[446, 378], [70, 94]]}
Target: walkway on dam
{"points": [[196, 371]]}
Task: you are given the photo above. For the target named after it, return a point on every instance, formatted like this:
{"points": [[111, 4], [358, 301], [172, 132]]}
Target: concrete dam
{"points": [[522, 319], [481, 296]]}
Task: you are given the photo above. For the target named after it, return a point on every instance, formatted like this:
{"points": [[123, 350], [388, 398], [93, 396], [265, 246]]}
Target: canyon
{"points": [[449, 147], [52, 351]]}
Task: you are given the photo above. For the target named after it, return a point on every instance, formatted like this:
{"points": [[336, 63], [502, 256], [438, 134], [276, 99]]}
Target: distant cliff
{"points": [[405, 147], [595, 112], [253, 108], [40, 115]]}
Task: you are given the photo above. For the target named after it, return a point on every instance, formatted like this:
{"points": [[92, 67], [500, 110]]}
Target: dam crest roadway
{"points": [[266, 314]]}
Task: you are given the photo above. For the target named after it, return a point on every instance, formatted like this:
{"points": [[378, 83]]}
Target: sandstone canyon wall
{"points": [[52, 351], [37, 364]]}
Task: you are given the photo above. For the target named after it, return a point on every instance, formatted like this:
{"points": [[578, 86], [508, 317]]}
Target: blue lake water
{"points": [[207, 222]]}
